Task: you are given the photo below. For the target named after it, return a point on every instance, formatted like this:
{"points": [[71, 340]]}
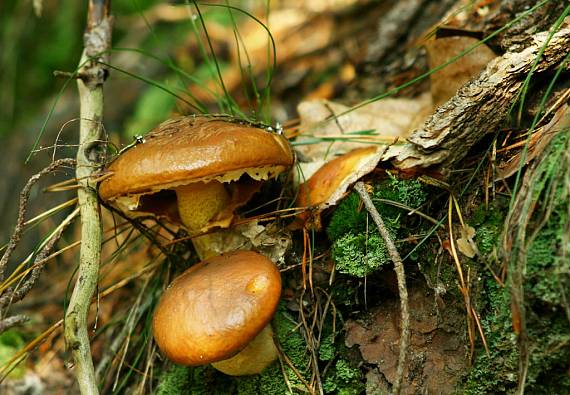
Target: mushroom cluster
{"points": [[195, 171]]}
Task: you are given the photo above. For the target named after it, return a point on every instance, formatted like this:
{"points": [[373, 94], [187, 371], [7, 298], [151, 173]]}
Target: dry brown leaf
{"points": [[270, 240], [391, 119], [446, 82], [465, 243], [539, 140], [331, 182]]}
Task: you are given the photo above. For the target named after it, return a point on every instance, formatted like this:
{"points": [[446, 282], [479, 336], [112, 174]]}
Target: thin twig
{"points": [[12, 295], [400, 275], [14, 320], [21, 222], [90, 157]]}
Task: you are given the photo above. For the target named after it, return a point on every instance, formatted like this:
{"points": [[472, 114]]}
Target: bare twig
{"points": [[9, 322], [400, 275], [90, 156], [24, 196], [12, 295]]}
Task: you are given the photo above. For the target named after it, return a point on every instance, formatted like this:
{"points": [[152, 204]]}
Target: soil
{"points": [[437, 356]]}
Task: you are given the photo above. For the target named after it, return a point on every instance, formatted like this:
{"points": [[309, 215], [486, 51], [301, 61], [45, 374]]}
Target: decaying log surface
{"points": [[479, 107]]}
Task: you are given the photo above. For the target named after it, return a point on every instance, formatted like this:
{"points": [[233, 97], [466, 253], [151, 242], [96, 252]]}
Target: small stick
{"points": [[23, 206], [12, 295], [90, 158], [401, 276]]}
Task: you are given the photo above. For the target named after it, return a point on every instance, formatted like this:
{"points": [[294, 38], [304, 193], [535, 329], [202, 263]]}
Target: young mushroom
{"points": [[218, 312], [195, 170], [328, 185]]}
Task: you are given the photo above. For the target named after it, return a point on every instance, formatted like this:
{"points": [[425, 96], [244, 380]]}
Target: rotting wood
{"points": [[479, 107], [90, 156]]}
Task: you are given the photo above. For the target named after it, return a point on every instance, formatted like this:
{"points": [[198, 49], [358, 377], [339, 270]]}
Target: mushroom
{"points": [[195, 170], [327, 186], [218, 312]]}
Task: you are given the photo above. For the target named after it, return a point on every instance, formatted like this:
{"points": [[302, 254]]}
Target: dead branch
{"points": [[480, 106], [11, 295], [400, 275], [23, 206], [90, 156], [16, 294], [14, 320], [392, 26]]}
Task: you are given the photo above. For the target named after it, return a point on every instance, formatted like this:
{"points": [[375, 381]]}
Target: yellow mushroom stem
{"points": [[255, 357], [198, 204]]}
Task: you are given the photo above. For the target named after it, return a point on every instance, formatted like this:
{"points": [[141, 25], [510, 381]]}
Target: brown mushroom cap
{"points": [[196, 148], [334, 177], [215, 308]]}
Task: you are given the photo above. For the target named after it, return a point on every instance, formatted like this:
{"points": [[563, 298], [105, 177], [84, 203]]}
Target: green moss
{"points": [[546, 279], [488, 227], [200, 380], [174, 381], [497, 372], [347, 217], [327, 349], [358, 249], [409, 192], [346, 295], [360, 254], [271, 381], [340, 375], [548, 274], [343, 379]]}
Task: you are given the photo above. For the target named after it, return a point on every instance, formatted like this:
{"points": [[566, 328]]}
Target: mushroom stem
{"points": [[255, 357], [198, 203], [204, 244]]}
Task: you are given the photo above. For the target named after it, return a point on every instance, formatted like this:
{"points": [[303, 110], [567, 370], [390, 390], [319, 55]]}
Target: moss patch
{"points": [[358, 249], [343, 379], [546, 279], [271, 380]]}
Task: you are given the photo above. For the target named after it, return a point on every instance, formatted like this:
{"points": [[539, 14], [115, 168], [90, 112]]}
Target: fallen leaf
{"points": [[538, 142], [446, 82], [382, 122], [329, 184], [465, 243]]}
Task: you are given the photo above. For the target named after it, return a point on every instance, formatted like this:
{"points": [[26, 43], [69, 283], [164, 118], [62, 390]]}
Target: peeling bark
{"points": [[479, 107]]}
